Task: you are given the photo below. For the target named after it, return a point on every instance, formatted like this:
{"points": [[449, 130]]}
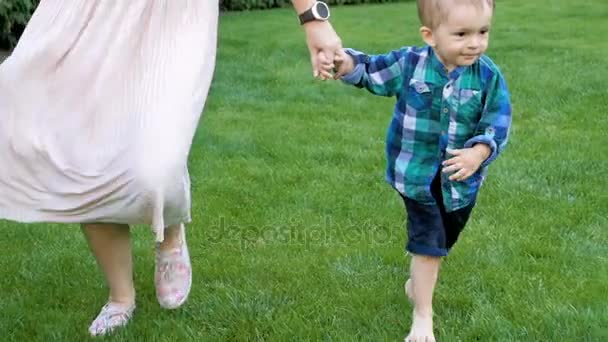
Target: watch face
{"points": [[322, 10]]}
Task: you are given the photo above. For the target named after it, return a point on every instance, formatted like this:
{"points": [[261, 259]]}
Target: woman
{"points": [[99, 103]]}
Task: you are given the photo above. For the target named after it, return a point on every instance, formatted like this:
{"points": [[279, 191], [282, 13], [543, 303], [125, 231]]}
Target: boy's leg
{"points": [[431, 234], [426, 243], [424, 271]]}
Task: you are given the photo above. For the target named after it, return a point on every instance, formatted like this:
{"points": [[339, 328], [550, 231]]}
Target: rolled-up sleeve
{"points": [[495, 123]]}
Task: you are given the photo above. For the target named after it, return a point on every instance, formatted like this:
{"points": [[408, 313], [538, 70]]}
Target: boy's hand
{"points": [[344, 64], [466, 161]]}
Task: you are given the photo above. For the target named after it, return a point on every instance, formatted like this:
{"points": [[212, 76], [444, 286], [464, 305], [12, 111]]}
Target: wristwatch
{"points": [[319, 11]]}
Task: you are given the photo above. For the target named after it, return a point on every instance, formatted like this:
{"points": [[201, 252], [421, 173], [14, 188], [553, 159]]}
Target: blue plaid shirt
{"points": [[435, 110]]}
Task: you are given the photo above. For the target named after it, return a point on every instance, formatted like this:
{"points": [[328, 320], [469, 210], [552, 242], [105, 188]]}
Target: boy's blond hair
{"points": [[433, 12]]}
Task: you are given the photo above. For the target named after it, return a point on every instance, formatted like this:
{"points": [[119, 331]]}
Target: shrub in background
{"points": [[14, 14]]}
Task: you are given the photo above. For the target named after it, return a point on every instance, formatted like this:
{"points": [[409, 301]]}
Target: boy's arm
{"points": [[380, 74], [495, 123]]}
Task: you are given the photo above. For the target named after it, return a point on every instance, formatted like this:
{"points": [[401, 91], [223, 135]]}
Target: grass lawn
{"points": [[296, 236]]}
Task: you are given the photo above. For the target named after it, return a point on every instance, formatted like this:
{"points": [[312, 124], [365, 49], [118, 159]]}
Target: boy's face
{"points": [[462, 37]]}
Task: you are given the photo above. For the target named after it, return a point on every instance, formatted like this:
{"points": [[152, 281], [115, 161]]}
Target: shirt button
{"points": [[445, 110]]}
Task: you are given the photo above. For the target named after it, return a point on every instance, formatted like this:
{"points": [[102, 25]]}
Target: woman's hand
{"points": [[323, 43]]}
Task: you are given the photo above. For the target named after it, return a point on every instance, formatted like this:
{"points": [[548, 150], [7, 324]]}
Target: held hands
{"points": [[323, 43], [328, 59], [465, 162], [344, 64]]}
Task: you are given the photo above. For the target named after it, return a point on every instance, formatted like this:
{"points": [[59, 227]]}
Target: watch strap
{"points": [[307, 16]]}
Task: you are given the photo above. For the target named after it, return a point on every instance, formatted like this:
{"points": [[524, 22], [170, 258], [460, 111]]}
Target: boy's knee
{"points": [[427, 258]]}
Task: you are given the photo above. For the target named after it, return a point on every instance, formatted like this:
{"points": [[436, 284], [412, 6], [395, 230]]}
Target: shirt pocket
{"points": [[418, 98], [469, 109], [420, 125]]}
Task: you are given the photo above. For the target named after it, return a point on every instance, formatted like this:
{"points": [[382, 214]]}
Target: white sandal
{"points": [[112, 316]]}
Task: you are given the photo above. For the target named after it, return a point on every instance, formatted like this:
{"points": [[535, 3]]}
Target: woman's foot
{"points": [[173, 274], [112, 316]]}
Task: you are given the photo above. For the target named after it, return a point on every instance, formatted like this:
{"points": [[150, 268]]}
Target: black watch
{"points": [[319, 11]]}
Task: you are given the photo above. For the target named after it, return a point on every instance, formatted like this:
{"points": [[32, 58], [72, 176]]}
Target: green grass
{"points": [[297, 237]]}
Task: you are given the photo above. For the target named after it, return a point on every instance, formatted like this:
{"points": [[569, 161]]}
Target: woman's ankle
{"points": [[125, 301], [173, 238]]}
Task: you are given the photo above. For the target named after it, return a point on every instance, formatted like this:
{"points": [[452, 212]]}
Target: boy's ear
{"points": [[427, 35]]}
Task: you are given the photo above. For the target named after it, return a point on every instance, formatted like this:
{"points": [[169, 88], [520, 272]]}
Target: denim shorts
{"points": [[431, 230]]}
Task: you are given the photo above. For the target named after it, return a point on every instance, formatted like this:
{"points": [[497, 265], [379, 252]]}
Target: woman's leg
{"points": [[173, 237], [111, 246]]}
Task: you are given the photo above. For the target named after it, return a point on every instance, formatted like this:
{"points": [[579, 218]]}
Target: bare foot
{"points": [[422, 329], [409, 291]]}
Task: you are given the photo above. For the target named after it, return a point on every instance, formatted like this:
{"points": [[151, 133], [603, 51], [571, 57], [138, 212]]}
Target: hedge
{"points": [[14, 14]]}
